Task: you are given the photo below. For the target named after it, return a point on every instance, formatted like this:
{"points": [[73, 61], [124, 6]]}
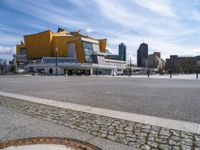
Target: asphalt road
{"points": [[174, 99]]}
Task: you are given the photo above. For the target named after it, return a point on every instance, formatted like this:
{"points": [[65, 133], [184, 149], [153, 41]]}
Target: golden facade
{"points": [[45, 44]]}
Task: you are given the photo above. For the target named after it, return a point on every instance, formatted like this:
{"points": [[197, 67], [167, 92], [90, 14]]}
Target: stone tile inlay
{"points": [[134, 134]]}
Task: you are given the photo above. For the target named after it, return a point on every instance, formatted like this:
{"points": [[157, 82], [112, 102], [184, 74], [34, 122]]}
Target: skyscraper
{"points": [[122, 51], [142, 55]]}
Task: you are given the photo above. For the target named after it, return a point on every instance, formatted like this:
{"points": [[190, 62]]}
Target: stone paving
{"points": [[134, 134]]}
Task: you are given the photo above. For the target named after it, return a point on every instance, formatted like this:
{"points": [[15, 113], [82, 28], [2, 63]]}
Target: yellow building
{"points": [[45, 44], [66, 53]]}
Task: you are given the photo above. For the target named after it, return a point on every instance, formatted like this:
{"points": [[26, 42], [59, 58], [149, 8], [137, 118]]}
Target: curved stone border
{"points": [[70, 143]]}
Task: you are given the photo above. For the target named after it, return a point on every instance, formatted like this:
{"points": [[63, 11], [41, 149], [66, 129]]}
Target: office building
{"points": [[154, 61], [184, 64], [122, 51], [142, 55]]}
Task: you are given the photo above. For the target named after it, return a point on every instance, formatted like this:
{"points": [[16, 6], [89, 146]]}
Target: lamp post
{"points": [[56, 61], [197, 70], [129, 67], [34, 66]]}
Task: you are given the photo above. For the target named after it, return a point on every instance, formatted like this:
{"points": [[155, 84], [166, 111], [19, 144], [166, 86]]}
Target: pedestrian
{"points": [[148, 73]]}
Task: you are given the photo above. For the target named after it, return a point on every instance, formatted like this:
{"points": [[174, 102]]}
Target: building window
{"points": [[71, 50], [89, 49], [95, 47], [22, 51], [88, 58]]}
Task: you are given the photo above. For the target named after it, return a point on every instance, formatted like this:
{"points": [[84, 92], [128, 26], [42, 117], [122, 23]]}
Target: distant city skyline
{"points": [[168, 26]]}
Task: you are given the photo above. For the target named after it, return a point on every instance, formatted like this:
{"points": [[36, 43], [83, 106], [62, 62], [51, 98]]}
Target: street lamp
{"points": [[56, 61], [130, 71], [34, 66], [197, 70]]}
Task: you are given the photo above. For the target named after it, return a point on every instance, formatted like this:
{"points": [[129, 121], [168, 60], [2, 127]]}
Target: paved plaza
{"points": [[167, 98], [126, 113]]}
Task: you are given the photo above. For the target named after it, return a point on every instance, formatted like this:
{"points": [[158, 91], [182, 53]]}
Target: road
{"points": [[174, 99]]}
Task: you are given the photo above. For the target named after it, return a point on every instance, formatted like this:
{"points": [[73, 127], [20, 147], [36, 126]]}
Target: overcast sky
{"points": [[168, 26]]}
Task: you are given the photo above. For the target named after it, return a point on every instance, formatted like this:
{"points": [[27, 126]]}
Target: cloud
{"points": [[160, 7], [168, 26], [110, 50], [166, 29], [9, 39], [49, 12], [117, 12], [195, 15], [7, 50], [88, 30], [131, 59]]}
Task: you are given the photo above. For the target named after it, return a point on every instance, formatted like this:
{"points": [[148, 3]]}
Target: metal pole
{"points": [[34, 66], [130, 66], [56, 61]]}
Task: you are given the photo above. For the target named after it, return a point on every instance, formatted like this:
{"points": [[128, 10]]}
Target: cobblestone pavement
{"points": [[126, 132]]}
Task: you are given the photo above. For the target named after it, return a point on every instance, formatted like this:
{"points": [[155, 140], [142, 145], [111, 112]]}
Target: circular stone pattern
{"points": [[40, 143]]}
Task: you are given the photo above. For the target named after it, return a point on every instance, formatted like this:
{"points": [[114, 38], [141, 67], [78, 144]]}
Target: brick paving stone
{"points": [[176, 148], [184, 147], [175, 138], [165, 147], [152, 144], [145, 147], [155, 128], [151, 138], [175, 133], [175, 143], [197, 141], [165, 132], [187, 141], [163, 140]]}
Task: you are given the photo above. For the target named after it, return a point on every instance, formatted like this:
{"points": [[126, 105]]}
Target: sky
{"points": [[168, 26]]}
